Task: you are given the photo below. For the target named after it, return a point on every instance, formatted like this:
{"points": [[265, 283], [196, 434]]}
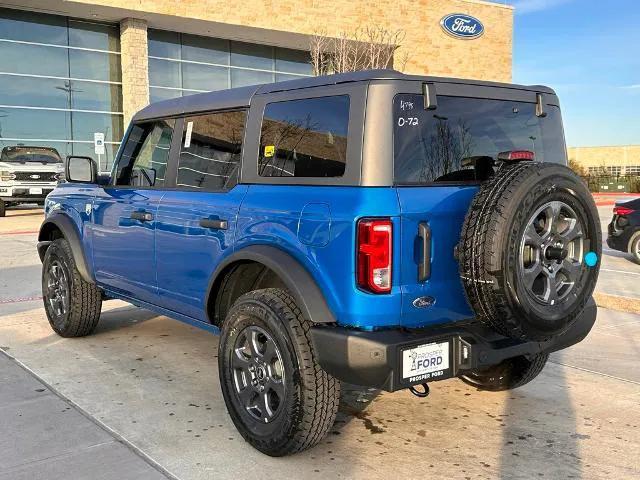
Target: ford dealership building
{"points": [[71, 69]]}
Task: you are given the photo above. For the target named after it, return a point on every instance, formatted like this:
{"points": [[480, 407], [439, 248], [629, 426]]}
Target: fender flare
{"points": [[297, 279], [71, 235]]}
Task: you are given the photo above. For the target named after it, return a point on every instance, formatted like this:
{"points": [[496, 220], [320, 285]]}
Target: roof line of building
{"points": [[490, 3]]}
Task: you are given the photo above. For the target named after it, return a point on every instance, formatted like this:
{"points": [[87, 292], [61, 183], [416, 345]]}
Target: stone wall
{"points": [[135, 69], [430, 49]]}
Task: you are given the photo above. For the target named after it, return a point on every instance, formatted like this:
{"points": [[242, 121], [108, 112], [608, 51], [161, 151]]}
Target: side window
{"points": [[304, 138], [210, 151], [143, 162]]}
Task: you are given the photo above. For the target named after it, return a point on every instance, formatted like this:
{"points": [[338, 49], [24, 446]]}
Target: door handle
{"points": [[214, 224], [424, 267], [142, 216]]}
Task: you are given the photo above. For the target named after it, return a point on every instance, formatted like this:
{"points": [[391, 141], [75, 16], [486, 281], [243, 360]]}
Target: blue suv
{"points": [[373, 228]]}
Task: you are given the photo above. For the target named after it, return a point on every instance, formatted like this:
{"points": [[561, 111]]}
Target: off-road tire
{"points": [[508, 374], [311, 395], [3, 209], [490, 244], [84, 298]]}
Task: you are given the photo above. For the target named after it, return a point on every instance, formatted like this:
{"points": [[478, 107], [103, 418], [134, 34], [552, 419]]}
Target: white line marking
{"points": [[619, 271], [596, 373]]}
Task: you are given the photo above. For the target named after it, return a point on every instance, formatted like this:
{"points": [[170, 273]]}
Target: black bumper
{"points": [[374, 359]]}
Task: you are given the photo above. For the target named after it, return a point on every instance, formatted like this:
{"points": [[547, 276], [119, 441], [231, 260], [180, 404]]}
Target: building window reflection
{"points": [[60, 82], [183, 64]]}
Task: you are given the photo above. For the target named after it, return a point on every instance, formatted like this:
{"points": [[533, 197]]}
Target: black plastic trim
{"points": [[373, 359], [297, 279], [70, 232]]}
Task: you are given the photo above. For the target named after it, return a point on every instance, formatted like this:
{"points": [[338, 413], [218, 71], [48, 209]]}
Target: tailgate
{"points": [[439, 298]]}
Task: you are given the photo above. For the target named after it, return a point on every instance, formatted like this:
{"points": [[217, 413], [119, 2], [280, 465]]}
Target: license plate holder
{"points": [[426, 362], [35, 191]]}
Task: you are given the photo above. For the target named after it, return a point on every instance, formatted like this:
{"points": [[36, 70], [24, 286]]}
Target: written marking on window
{"points": [[187, 135]]}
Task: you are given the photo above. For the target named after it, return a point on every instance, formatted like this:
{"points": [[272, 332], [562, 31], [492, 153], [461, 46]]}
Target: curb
{"points": [[618, 303]]}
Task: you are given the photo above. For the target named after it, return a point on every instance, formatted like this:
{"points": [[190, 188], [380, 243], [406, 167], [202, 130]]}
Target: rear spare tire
{"points": [[529, 250]]}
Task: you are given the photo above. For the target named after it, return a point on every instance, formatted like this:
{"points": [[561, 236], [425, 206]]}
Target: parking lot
{"points": [[144, 391]]}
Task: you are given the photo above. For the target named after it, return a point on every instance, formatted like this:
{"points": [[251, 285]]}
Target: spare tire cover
{"points": [[529, 250]]}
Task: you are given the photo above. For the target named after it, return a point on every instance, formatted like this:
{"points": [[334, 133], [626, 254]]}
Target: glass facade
{"points": [[60, 82], [182, 64]]}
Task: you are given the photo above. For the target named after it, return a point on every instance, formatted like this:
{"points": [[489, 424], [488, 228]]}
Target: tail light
{"points": [[374, 250], [513, 155], [622, 210]]}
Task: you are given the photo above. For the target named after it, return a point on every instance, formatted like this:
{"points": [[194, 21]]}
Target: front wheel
{"points": [[508, 374], [278, 396], [72, 304]]}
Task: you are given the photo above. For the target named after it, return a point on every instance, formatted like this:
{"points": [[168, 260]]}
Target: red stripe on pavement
{"points": [[20, 299], [19, 232]]}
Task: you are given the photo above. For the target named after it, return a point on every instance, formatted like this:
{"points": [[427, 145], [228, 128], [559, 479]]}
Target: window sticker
{"points": [[187, 135], [269, 150]]}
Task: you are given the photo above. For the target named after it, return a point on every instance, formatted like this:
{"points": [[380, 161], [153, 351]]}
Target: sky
{"points": [[588, 51]]}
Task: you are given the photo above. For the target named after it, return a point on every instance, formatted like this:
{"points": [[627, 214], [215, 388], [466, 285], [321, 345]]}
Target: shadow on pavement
{"points": [[540, 439], [121, 317]]}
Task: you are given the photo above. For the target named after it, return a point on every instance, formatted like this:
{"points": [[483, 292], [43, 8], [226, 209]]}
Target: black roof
{"points": [[241, 97]]}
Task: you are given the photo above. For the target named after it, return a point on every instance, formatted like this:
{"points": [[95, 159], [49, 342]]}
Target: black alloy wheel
{"points": [[57, 289], [258, 374]]}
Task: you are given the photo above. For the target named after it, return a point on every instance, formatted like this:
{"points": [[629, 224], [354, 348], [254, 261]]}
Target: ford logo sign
{"points": [[424, 302], [462, 26], [34, 177]]}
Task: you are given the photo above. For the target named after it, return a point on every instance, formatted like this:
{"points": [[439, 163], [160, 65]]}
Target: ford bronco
{"points": [[27, 174], [373, 228]]}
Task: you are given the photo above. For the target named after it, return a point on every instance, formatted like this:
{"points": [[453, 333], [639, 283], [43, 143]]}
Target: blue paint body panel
{"points": [[167, 264], [186, 253], [443, 209]]}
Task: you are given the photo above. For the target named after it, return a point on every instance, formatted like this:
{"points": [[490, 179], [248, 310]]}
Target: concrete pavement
{"points": [[153, 382], [46, 437]]}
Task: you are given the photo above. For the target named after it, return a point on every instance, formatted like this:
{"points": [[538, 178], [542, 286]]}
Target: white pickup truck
{"points": [[27, 174]]}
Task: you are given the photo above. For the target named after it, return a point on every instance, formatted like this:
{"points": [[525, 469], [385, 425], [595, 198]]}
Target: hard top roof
{"points": [[241, 97]]}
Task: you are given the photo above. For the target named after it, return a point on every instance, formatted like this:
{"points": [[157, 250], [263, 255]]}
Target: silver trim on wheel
{"points": [[551, 251]]}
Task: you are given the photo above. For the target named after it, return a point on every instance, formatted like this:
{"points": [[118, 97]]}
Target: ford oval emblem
{"points": [[462, 26], [424, 302]]}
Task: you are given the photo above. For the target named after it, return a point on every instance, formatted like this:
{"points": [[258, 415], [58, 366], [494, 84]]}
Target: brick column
{"points": [[135, 66]]}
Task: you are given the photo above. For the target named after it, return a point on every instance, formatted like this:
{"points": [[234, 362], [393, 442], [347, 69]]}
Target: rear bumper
{"points": [[374, 359], [619, 239]]}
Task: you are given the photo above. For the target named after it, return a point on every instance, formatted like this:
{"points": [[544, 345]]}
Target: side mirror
{"points": [[81, 170]]}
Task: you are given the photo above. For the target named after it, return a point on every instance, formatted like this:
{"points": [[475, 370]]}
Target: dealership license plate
{"points": [[429, 361], [35, 191]]}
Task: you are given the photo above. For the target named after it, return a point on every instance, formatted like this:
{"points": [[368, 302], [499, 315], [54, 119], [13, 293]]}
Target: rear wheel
{"points": [[3, 209], [508, 374], [279, 398], [72, 304]]}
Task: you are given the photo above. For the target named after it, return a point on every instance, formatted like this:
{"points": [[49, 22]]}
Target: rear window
{"points": [[460, 140], [30, 154], [305, 138]]}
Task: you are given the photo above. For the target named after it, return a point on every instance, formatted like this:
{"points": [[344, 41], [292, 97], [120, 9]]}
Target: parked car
{"points": [[624, 229], [27, 174], [375, 228]]}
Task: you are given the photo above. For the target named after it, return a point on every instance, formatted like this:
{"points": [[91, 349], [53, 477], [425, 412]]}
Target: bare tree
{"points": [[363, 49]]}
